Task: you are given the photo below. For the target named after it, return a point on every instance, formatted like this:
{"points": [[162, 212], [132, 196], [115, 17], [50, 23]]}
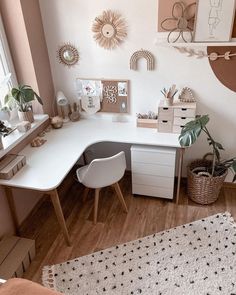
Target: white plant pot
{"points": [[26, 116]]}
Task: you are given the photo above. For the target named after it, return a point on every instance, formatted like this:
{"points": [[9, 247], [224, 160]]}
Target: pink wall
{"points": [[39, 52], [24, 31]]}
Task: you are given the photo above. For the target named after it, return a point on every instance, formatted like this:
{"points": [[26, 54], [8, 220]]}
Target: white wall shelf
{"points": [[195, 44]]}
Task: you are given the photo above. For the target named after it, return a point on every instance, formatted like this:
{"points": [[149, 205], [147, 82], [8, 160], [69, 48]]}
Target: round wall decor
{"points": [[68, 55], [109, 29], [224, 67]]}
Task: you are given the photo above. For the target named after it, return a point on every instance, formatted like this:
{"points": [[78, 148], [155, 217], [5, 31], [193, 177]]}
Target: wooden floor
{"points": [[145, 216]]}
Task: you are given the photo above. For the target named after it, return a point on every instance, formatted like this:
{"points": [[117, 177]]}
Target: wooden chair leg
{"points": [[85, 193], [97, 191], [120, 196]]}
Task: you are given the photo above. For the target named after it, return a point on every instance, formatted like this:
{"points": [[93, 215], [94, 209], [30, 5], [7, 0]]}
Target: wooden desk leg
{"points": [[181, 156], [60, 217], [12, 208]]}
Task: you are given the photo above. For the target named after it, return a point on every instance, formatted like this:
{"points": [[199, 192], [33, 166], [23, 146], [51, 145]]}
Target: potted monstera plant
{"points": [[205, 177], [22, 98]]}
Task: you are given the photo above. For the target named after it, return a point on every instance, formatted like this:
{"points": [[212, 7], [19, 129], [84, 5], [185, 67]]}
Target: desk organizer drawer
{"points": [[152, 191], [181, 121], [165, 112], [185, 112], [177, 129], [152, 180], [165, 126]]}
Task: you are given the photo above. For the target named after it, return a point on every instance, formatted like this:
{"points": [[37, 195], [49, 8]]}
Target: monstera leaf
{"points": [[192, 130]]}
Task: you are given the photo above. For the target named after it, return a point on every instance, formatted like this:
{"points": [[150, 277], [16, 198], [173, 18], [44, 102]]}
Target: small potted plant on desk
{"points": [[205, 177], [22, 97], [4, 131]]}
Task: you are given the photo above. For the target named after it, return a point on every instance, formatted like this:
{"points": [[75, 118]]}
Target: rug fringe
{"points": [[228, 217], [48, 277]]}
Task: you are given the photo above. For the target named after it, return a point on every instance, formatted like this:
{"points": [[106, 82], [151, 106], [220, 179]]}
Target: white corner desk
{"points": [[49, 164]]}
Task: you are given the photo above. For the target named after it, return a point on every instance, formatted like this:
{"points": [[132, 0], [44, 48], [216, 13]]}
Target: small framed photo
{"points": [[214, 20]]}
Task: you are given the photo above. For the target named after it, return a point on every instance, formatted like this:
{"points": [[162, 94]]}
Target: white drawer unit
{"points": [[153, 171]]}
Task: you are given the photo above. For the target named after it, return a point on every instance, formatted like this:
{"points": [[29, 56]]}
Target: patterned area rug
{"points": [[196, 258]]}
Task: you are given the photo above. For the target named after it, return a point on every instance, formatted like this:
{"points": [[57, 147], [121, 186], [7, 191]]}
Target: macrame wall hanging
{"points": [[142, 54], [109, 29], [213, 56]]}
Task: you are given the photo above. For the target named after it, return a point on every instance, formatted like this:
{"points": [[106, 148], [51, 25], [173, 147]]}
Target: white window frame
{"points": [[5, 57]]}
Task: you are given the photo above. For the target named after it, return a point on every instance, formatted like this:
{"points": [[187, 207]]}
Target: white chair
{"points": [[101, 173]]}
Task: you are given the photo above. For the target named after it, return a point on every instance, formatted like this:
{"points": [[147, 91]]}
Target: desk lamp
{"points": [[62, 102]]}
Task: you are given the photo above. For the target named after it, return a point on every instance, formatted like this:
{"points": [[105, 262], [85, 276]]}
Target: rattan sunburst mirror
{"points": [[68, 55], [109, 29]]}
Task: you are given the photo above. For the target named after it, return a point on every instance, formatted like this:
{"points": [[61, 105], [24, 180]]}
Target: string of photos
{"points": [[111, 96]]}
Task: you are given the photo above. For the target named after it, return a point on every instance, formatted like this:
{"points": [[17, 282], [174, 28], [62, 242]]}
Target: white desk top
{"points": [[48, 165]]}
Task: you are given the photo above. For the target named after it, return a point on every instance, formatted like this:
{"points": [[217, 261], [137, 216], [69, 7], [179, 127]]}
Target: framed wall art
{"points": [[214, 20]]}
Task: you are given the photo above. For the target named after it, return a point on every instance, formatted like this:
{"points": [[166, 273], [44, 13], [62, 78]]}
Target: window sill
{"points": [[15, 138]]}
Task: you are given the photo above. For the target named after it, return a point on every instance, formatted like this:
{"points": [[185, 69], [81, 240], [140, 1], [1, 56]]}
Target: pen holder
{"points": [[168, 101]]}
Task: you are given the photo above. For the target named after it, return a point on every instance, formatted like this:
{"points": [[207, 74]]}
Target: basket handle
{"points": [[207, 155]]}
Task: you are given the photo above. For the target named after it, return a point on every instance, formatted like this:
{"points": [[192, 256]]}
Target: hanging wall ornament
{"points": [[180, 22], [68, 55], [109, 29], [213, 56], [142, 54]]}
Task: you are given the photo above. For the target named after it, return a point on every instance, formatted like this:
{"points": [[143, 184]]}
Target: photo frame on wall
{"points": [[214, 20]]}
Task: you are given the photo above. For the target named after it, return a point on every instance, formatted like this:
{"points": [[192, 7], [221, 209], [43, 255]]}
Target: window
{"points": [[7, 73]]}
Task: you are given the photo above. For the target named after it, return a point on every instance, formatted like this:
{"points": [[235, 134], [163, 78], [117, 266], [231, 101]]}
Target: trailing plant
{"points": [[4, 130], [189, 134], [21, 97]]}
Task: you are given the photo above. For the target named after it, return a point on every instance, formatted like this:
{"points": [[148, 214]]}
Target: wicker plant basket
{"points": [[202, 189]]}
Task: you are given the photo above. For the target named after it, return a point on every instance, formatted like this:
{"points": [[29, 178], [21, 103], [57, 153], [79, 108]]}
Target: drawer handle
{"points": [[164, 121], [165, 109], [182, 126], [184, 109], [183, 118]]}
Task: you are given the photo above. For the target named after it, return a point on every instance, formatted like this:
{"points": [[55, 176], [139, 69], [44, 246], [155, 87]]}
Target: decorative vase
{"points": [[26, 116]]}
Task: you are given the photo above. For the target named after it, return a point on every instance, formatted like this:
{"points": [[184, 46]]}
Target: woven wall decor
{"points": [[142, 54], [109, 29], [186, 95], [181, 22], [68, 55]]}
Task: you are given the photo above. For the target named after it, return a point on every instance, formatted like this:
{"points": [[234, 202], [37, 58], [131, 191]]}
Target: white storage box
{"points": [[153, 171]]}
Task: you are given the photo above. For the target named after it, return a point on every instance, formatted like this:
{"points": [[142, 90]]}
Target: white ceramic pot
{"points": [[26, 116]]}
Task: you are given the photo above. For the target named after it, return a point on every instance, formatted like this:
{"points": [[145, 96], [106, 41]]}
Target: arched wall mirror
{"points": [[68, 55]]}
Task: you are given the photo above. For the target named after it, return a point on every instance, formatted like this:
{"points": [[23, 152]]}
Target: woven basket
{"points": [[201, 189]]}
